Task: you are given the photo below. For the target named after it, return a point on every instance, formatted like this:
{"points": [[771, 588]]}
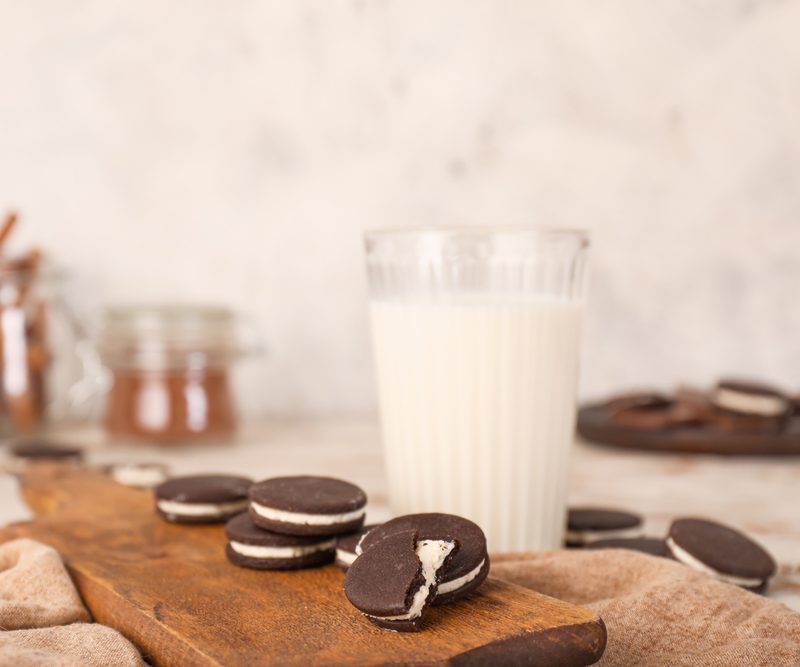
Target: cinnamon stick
{"points": [[8, 225]]}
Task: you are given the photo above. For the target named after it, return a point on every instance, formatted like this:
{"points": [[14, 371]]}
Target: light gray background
{"points": [[234, 151]]}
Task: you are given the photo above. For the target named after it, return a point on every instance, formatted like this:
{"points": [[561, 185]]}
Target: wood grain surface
{"points": [[170, 589]]}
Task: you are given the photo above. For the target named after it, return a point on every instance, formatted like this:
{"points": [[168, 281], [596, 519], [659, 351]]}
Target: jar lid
{"points": [[167, 336]]}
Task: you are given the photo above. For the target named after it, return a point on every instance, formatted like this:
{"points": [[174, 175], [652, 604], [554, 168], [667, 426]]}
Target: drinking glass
{"points": [[476, 338]]}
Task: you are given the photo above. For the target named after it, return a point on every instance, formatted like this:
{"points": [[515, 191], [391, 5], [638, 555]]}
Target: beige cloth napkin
{"points": [[42, 618], [659, 612]]}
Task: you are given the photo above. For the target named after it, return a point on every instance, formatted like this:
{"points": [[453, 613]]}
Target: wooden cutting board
{"points": [[170, 590]]}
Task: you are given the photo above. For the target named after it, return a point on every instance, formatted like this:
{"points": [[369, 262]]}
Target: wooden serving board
{"points": [[596, 425], [170, 590]]}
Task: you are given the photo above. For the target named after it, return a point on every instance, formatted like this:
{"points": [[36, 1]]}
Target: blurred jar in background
{"points": [[46, 361], [170, 372]]}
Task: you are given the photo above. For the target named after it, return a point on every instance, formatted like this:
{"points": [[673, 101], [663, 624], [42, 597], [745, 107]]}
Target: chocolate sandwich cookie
{"points": [[691, 407], [586, 524], [641, 410], [634, 400], [656, 411], [465, 571], [394, 581], [202, 498], [139, 475], [346, 546], [43, 450], [749, 407], [722, 552], [307, 505], [253, 547], [654, 546]]}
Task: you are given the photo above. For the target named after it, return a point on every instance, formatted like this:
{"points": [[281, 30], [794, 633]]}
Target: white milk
{"points": [[477, 402]]}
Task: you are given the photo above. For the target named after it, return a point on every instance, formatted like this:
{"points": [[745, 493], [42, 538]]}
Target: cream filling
{"points": [[141, 476], [586, 536], [686, 558], [200, 509], [257, 551], [346, 557], [444, 587], [306, 519], [432, 554], [450, 586], [755, 404]]}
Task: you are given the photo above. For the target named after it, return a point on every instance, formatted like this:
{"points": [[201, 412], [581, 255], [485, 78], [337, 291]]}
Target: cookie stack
{"points": [[293, 522], [277, 524]]}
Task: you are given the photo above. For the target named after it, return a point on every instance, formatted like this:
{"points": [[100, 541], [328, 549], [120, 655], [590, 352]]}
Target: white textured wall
{"points": [[233, 151]]}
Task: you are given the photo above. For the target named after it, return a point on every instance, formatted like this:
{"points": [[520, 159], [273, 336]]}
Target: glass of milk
{"points": [[476, 334]]}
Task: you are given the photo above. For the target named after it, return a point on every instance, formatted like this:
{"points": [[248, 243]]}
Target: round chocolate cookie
{"points": [[202, 498], [722, 552], [259, 549], [42, 450], [586, 524], [465, 571], [692, 407], [649, 545], [656, 411], [307, 505], [641, 410], [394, 581], [638, 399], [346, 546]]}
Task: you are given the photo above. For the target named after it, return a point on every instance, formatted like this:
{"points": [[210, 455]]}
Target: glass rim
{"points": [[147, 325], [479, 230]]}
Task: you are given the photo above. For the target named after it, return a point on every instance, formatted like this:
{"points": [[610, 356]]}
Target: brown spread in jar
{"points": [[170, 373]]}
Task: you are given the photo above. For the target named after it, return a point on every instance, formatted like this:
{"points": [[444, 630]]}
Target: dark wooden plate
{"points": [[596, 425]]}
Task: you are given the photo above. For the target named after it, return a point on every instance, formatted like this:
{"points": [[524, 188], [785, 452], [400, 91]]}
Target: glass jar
{"points": [[46, 359], [170, 372]]}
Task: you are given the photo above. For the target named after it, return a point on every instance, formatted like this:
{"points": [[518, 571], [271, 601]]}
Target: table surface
{"points": [[759, 495]]}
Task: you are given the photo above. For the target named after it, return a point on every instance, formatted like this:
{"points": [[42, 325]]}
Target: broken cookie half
{"points": [[394, 581]]}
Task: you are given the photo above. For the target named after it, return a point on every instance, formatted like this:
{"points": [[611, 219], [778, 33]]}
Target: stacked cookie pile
{"points": [[706, 546], [395, 571], [293, 522], [280, 523]]}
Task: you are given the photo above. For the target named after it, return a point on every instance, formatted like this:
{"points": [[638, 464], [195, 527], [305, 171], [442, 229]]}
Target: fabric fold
{"points": [[42, 618], [659, 612], [35, 589]]}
